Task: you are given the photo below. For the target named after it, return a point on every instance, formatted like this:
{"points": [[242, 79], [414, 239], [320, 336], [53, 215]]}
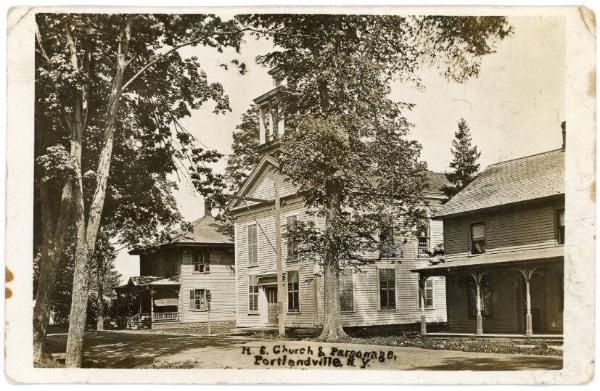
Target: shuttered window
{"points": [[198, 300], [346, 290], [252, 245], [293, 291], [252, 294], [387, 289]]}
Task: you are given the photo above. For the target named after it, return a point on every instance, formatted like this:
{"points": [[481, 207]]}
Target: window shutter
{"points": [[192, 299]]}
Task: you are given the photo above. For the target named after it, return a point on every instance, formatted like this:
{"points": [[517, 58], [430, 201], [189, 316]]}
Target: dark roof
{"points": [[512, 181], [436, 180], [205, 231]]}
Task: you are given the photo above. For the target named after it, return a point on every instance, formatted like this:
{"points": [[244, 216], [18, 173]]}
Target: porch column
{"points": [[422, 280], [151, 307], [477, 277], [527, 274]]}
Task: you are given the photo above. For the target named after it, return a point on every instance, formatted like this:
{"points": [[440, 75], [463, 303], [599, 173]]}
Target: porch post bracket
{"points": [[422, 280], [527, 274], [477, 277]]}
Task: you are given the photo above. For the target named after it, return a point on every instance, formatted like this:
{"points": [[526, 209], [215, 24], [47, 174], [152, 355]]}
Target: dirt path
{"points": [[134, 350]]}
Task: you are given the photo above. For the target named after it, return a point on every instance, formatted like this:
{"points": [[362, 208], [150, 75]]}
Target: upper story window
{"points": [[252, 245], [170, 267], [292, 245], [201, 262], [560, 226], [423, 240], [477, 238]]}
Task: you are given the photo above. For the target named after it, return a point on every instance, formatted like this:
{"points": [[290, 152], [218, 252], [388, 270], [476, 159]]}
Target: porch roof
{"points": [[490, 259]]}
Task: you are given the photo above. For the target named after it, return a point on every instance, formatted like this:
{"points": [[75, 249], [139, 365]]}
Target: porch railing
{"points": [[165, 316]]}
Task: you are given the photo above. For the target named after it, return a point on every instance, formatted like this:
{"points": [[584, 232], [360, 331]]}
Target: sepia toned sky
{"points": [[514, 108]]}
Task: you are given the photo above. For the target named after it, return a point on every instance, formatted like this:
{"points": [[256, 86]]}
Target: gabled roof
{"points": [[264, 163], [509, 182]]}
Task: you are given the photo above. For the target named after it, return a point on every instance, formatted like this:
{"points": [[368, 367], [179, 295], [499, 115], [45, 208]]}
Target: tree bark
{"points": [[54, 233], [86, 235], [332, 324]]}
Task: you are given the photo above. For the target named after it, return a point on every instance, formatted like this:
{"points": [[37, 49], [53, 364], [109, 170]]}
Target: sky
{"points": [[514, 108]]}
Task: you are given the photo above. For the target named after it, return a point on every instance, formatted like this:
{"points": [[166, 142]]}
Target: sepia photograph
{"points": [[268, 189]]}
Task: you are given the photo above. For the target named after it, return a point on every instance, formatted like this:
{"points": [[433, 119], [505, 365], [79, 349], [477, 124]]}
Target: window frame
{"points": [[472, 240], [387, 289], [427, 237], [198, 299], [252, 261], [252, 294], [294, 292], [341, 290], [430, 280], [203, 263]]}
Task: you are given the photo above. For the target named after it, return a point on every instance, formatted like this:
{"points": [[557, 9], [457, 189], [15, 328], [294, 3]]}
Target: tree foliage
{"points": [[112, 90], [346, 145], [464, 163]]}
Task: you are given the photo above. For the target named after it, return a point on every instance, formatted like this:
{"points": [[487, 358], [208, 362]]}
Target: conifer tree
{"points": [[464, 165]]}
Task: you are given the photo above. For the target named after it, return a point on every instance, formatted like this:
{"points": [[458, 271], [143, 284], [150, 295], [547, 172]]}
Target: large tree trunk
{"points": [[86, 237], [332, 323], [54, 233]]}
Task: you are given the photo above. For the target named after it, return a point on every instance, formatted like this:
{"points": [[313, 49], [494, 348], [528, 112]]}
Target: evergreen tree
{"points": [[464, 164]]}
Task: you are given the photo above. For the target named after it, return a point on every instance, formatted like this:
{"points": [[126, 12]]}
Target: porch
{"points": [[148, 302], [507, 295]]}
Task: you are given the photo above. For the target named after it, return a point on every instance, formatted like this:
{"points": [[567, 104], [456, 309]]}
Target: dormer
{"points": [[271, 120]]}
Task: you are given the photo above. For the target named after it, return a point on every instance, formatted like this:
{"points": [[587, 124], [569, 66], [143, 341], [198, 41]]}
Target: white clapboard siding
{"points": [[220, 281], [366, 285]]}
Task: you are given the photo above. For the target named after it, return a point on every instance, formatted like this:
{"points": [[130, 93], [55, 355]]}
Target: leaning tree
{"points": [[111, 90], [346, 146]]}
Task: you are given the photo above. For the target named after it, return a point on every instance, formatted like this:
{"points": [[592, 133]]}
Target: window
{"points": [[346, 290], [252, 294], [293, 291], [387, 289], [292, 245], [486, 297], [560, 226], [423, 242], [252, 245], [198, 300], [477, 238], [428, 293], [170, 266], [200, 262]]}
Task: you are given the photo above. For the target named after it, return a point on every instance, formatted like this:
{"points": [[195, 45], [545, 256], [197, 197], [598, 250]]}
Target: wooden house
{"points": [[382, 293], [503, 238], [188, 280]]}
